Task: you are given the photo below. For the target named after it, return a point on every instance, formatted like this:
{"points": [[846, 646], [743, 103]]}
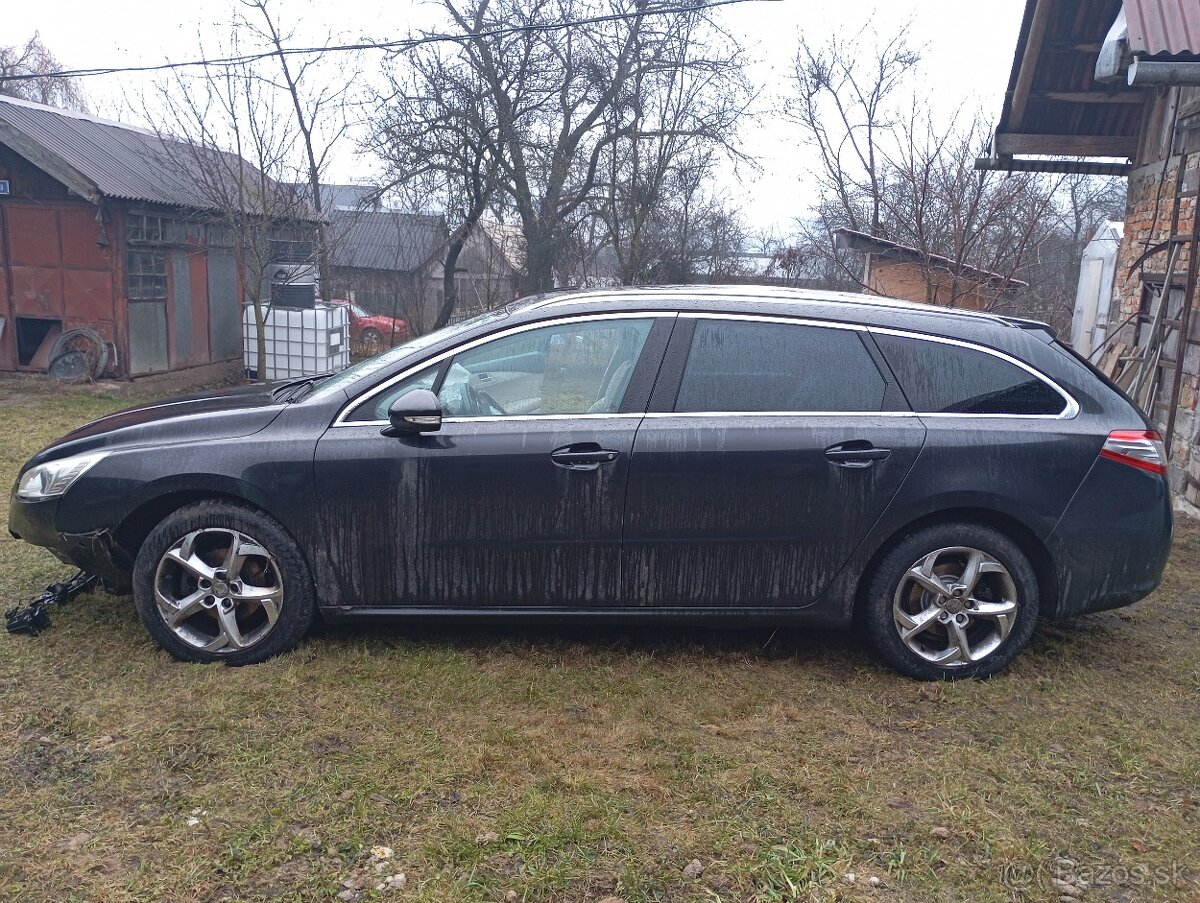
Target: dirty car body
{"points": [[695, 454]]}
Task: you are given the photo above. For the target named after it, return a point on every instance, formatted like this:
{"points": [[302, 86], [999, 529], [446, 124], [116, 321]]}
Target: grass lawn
{"points": [[571, 765]]}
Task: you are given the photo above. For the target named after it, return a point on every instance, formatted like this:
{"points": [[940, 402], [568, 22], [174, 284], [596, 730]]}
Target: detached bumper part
{"points": [[35, 617]]}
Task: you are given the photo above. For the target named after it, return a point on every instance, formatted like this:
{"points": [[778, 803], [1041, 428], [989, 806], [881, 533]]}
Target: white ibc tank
{"points": [[299, 342]]}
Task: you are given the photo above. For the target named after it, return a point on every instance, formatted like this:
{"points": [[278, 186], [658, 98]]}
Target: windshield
{"points": [[358, 311], [379, 362]]}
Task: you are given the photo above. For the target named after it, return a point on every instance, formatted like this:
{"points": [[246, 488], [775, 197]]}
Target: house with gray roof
{"points": [[391, 262], [110, 229]]}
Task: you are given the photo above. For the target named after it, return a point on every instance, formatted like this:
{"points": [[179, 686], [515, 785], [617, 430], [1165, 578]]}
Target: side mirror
{"points": [[416, 411]]}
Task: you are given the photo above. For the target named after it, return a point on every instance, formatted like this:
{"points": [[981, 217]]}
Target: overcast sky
{"points": [[968, 54]]}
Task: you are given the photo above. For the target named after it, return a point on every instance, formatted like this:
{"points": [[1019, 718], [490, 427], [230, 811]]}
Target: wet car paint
{"points": [[475, 521]]}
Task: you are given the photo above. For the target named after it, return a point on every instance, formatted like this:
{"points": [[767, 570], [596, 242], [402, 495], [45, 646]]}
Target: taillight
{"points": [[1142, 449]]}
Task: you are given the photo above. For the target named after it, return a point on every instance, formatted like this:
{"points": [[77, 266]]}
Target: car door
{"points": [[518, 499], [770, 449]]}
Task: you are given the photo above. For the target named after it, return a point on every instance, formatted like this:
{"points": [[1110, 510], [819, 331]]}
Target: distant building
{"points": [[1094, 297], [344, 197], [103, 228], [899, 271], [391, 262], [387, 261]]}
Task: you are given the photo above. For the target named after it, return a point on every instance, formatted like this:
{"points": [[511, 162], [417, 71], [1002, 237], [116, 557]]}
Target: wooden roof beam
{"points": [[1124, 97], [1011, 143], [50, 163], [1033, 47], [1081, 167], [1073, 46]]}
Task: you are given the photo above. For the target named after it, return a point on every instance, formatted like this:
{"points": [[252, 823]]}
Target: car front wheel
{"points": [[217, 581], [952, 601]]}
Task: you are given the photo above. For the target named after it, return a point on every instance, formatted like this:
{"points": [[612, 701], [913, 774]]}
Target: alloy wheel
{"points": [[955, 606], [219, 590]]}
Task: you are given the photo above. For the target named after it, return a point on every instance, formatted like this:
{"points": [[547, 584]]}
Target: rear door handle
{"points": [[583, 456], [855, 453]]}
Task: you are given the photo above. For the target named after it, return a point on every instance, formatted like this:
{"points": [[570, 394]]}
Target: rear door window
{"points": [[748, 366], [939, 378]]}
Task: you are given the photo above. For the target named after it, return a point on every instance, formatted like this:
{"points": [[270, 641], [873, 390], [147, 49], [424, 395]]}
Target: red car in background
{"points": [[373, 329]]}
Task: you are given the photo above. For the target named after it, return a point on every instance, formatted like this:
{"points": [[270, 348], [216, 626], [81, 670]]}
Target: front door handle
{"points": [[583, 456], [856, 453]]}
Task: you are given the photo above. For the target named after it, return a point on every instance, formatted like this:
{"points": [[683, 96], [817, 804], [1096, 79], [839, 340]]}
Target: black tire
{"points": [[371, 336], [284, 566], [879, 602]]}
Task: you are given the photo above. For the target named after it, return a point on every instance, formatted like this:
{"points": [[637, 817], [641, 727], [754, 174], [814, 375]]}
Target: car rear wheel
{"points": [[216, 581], [952, 601]]}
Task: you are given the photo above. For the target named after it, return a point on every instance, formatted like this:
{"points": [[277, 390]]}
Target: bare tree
{"points": [[697, 234], [554, 95], [1082, 205], [319, 104], [438, 144], [27, 72], [843, 101], [964, 223], [676, 117], [890, 168], [227, 131]]}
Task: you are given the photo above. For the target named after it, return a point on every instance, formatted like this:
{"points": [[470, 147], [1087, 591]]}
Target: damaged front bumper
{"points": [[96, 551]]}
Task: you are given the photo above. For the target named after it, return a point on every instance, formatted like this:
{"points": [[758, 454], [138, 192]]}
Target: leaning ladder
{"points": [[1151, 363]]}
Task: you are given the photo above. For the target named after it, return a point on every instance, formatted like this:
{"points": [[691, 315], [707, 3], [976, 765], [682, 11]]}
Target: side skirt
{"points": [[813, 615]]}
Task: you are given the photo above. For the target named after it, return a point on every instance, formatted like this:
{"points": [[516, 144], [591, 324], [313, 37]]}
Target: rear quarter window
{"points": [[938, 378]]}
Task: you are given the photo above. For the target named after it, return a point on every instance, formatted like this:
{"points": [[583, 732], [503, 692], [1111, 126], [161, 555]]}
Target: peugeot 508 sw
{"points": [[938, 480]]}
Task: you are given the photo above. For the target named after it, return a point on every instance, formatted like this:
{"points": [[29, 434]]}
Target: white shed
{"points": [[1094, 296]]}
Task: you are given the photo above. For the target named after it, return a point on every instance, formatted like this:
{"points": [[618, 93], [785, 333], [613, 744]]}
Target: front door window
{"points": [[567, 368]]}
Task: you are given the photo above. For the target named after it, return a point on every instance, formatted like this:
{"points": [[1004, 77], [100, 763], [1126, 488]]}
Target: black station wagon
{"points": [[938, 480]]}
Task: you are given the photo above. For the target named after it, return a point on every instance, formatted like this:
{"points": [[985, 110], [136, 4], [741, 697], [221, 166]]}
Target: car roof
{"points": [[873, 310]]}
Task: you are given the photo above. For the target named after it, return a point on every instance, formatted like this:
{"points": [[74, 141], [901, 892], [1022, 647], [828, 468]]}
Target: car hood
{"points": [[226, 414]]}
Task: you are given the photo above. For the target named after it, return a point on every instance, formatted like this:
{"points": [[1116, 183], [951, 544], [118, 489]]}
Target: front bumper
{"points": [[96, 551]]}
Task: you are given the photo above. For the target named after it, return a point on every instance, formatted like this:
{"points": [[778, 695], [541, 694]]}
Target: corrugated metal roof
{"points": [[1062, 97], [116, 160], [384, 239], [1163, 26]]}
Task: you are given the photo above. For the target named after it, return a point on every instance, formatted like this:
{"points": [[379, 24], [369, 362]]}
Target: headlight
{"points": [[52, 479]]}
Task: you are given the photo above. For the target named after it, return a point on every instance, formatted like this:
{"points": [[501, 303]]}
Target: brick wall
{"points": [[912, 282], [1148, 222]]}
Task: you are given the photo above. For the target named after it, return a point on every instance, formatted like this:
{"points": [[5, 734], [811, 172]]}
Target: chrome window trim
{"points": [[366, 396], [773, 318], [659, 415], [533, 418], [1068, 413], [663, 415]]}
